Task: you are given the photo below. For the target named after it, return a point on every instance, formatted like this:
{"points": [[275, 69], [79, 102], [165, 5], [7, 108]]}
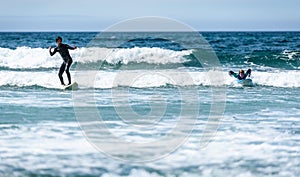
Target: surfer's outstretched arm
{"points": [[52, 53], [72, 48], [233, 74]]}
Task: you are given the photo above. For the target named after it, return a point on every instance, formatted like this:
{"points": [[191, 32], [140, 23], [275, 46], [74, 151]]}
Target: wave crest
{"points": [[35, 58]]}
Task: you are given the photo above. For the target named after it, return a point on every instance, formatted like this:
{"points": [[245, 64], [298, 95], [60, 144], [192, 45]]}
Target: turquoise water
{"points": [[258, 135]]}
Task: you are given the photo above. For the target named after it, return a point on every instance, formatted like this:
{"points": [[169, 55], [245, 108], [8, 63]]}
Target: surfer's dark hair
{"points": [[58, 38]]}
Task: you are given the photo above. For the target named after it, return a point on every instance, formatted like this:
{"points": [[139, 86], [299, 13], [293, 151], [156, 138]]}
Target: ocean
{"points": [[146, 106]]}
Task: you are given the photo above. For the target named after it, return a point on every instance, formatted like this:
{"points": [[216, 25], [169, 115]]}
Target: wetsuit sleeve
{"points": [[235, 75], [52, 53], [248, 72], [69, 47]]}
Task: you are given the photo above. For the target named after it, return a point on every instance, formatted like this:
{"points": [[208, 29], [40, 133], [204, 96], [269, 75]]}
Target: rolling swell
{"points": [[26, 58], [269, 55], [28, 51], [276, 59], [38, 59]]}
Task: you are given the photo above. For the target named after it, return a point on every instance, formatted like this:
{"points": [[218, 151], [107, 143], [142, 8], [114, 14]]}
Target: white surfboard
{"points": [[73, 86], [246, 82]]}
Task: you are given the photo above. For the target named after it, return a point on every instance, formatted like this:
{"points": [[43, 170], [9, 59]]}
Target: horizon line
{"points": [[91, 31]]}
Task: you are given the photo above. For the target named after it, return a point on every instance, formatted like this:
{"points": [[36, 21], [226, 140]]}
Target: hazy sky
{"points": [[96, 15]]}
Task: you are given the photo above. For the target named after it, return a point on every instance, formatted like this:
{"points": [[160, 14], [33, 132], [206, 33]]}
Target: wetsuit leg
{"points": [[61, 71], [68, 71]]}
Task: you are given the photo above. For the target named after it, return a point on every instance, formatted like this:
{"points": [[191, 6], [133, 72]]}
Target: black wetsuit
{"points": [[63, 50]]}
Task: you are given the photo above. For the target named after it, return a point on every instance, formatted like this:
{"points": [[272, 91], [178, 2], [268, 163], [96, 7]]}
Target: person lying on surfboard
{"points": [[242, 75], [63, 50]]}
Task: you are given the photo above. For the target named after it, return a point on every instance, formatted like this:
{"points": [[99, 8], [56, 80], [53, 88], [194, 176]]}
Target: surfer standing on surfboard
{"points": [[241, 75], [63, 50]]}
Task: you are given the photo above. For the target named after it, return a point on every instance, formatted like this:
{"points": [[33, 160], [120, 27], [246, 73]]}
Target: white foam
{"points": [[146, 79], [136, 55], [241, 140], [277, 79], [26, 57], [23, 79], [32, 58], [290, 54]]}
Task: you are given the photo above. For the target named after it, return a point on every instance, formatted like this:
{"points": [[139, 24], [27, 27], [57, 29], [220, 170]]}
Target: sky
{"points": [[202, 15]]}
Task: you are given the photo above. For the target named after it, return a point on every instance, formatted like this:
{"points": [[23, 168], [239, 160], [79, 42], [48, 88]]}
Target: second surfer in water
{"points": [[63, 50], [242, 75]]}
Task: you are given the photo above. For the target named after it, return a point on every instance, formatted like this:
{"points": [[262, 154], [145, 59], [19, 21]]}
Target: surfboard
{"points": [[246, 82], [73, 86]]}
